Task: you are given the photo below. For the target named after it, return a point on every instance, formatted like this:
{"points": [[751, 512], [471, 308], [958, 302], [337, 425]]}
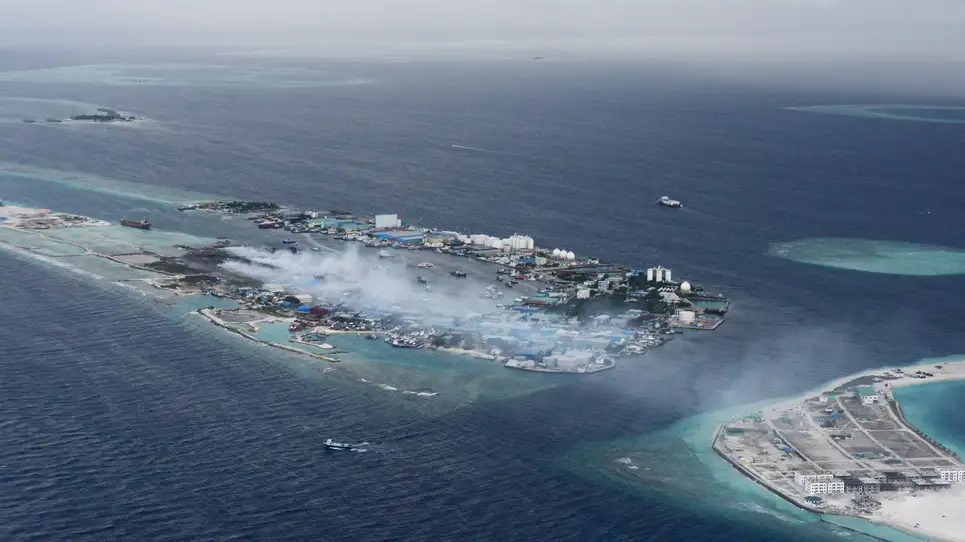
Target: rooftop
{"points": [[866, 391]]}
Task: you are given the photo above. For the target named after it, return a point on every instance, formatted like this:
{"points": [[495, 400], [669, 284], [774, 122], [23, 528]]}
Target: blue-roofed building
{"points": [[401, 236], [304, 309], [530, 353]]}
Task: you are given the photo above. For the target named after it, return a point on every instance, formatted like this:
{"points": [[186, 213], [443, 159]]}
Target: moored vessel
{"points": [[139, 224]]}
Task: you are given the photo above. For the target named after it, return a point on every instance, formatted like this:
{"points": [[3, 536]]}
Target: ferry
{"points": [[139, 224], [667, 202]]}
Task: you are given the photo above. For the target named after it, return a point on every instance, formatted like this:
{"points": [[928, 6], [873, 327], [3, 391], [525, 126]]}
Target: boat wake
{"points": [[468, 148]]}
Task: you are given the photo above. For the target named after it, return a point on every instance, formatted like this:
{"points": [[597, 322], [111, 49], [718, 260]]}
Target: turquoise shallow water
{"points": [[919, 113], [936, 409], [887, 257], [677, 462]]}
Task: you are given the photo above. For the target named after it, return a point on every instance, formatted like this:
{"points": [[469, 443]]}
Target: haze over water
{"points": [[123, 418]]}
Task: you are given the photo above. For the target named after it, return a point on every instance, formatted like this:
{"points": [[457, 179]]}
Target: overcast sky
{"points": [[840, 27]]}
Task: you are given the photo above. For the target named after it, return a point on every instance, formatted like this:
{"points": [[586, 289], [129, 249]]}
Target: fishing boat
{"points": [[667, 202], [334, 445]]}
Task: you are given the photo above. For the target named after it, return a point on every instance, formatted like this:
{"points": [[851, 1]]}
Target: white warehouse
{"points": [[387, 221]]}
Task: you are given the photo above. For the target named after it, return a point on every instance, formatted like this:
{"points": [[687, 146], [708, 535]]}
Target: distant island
{"points": [[104, 114]]}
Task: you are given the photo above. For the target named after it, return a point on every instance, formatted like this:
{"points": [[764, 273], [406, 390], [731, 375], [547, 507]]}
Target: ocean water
{"points": [[122, 417]]}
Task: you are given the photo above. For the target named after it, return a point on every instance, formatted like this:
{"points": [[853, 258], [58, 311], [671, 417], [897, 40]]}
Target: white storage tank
{"points": [[556, 253], [685, 287], [570, 256]]}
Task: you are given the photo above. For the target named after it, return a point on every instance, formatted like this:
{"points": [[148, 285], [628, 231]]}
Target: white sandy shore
{"points": [[952, 369], [937, 515]]}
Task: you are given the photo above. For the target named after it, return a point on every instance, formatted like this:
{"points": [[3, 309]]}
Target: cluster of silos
{"points": [[519, 242], [515, 242], [563, 255]]}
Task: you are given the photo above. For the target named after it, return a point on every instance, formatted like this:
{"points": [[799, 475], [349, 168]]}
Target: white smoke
{"points": [[364, 281]]}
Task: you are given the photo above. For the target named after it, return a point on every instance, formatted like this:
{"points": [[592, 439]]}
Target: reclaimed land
{"points": [[891, 471]]}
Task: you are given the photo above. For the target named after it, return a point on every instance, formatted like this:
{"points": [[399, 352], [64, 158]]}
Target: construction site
{"points": [[843, 451]]}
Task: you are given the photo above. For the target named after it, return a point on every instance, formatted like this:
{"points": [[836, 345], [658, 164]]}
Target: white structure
{"points": [[658, 274], [556, 253], [304, 299], [815, 484], [868, 395], [583, 294], [948, 475], [387, 221], [685, 287], [570, 256], [686, 317], [520, 242], [479, 239]]}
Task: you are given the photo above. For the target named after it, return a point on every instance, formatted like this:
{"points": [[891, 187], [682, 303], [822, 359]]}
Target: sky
{"points": [[820, 27]]}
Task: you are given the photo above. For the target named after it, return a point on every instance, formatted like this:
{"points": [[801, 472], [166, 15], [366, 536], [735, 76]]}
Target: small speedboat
{"points": [[667, 202]]}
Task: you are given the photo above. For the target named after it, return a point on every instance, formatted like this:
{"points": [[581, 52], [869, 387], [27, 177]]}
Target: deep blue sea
{"points": [[124, 419]]}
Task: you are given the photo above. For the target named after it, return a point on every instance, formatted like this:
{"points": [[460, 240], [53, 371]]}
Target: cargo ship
{"points": [[139, 224]]}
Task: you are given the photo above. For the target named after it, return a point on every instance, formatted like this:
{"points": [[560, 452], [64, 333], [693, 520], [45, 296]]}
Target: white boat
{"points": [[384, 254], [667, 202], [424, 265]]}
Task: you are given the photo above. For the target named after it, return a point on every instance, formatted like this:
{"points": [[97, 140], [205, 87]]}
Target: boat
{"points": [[403, 342], [289, 241], [458, 274], [139, 224], [334, 445], [424, 265], [422, 280], [384, 254], [667, 202]]}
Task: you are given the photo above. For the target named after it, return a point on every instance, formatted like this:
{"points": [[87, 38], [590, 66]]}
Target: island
{"points": [[850, 451], [103, 115], [500, 299], [570, 315], [231, 207]]}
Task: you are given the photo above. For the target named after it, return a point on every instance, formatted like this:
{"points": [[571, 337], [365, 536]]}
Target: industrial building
{"points": [[400, 236], [815, 484], [658, 274], [387, 221]]}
